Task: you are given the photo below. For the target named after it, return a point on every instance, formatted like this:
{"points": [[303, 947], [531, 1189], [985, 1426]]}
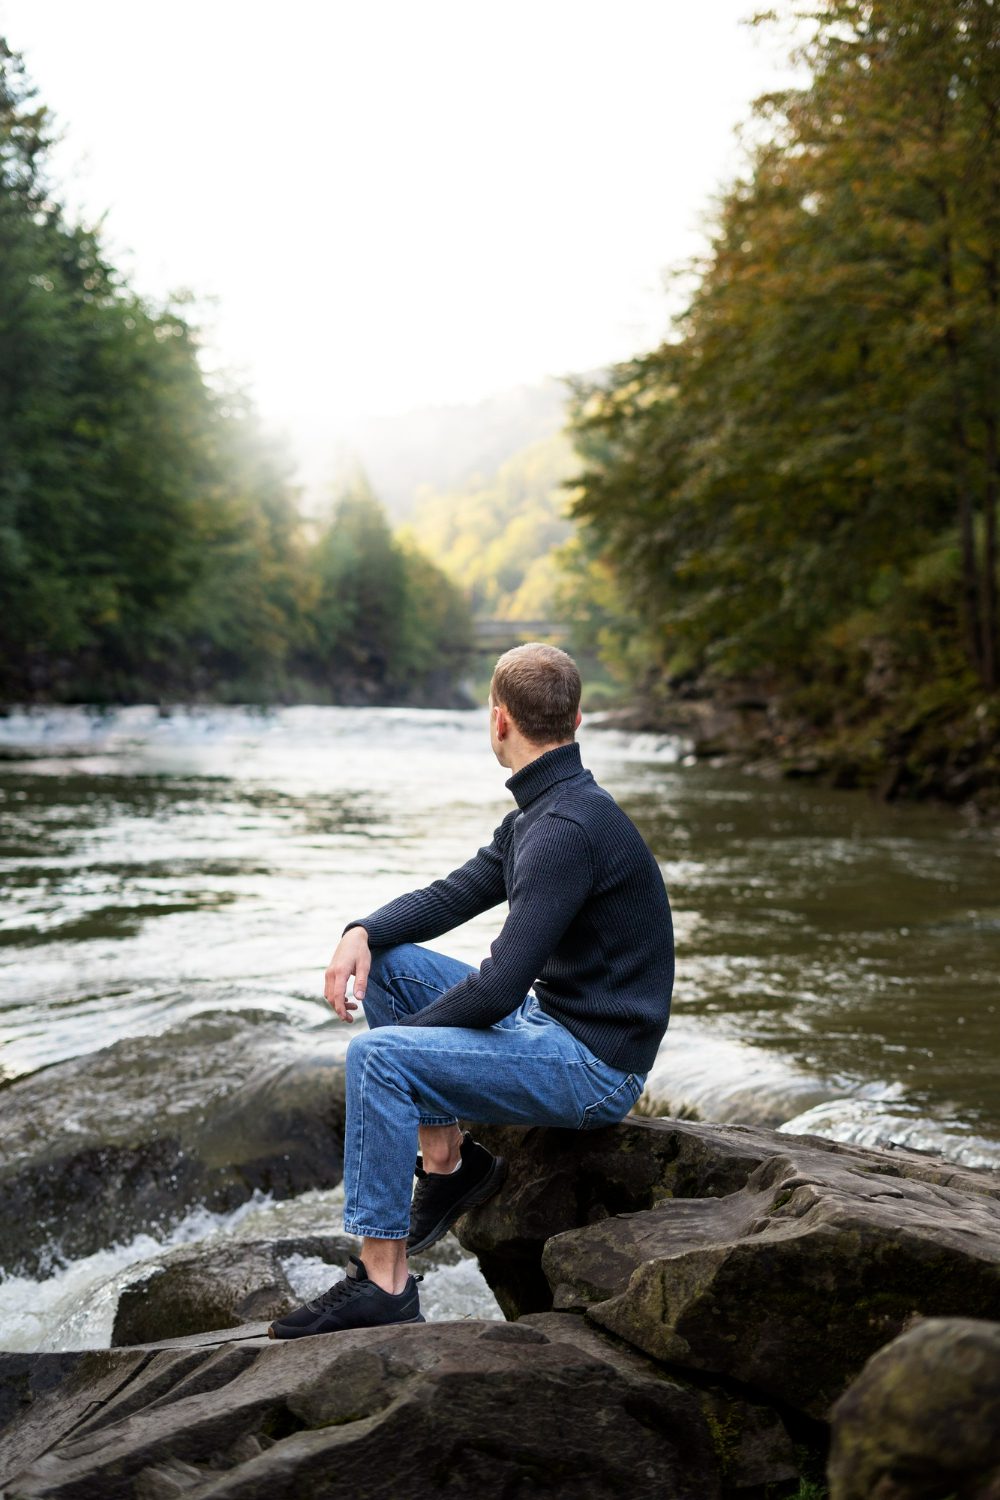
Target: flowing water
{"points": [[838, 959]]}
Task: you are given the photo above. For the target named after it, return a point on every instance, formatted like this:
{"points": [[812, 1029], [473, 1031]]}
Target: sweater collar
{"points": [[538, 775]]}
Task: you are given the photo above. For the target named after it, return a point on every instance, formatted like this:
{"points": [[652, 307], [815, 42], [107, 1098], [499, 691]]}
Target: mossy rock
{"points": [[922, 1420]]}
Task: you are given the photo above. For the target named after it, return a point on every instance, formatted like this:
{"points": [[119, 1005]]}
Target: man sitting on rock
{"points": [[588, 925]]}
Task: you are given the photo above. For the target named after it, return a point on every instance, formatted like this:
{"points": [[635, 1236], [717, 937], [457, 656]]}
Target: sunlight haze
{"points": [[384, 206]]}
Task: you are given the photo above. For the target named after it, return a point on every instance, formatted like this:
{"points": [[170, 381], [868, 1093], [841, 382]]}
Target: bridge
{"points": [[493, 636]]}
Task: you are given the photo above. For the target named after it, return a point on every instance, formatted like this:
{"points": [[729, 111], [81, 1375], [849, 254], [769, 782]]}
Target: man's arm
{"points": [[473, 888], [552, 879]]}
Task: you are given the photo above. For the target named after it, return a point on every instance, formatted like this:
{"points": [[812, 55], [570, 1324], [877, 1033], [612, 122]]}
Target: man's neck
{"points": [[523, 753]]}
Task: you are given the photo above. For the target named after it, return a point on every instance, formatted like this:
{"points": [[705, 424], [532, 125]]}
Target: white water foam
{"points": [[452, 1291], [879, 1115], [709, 1077], [74, 1308]]}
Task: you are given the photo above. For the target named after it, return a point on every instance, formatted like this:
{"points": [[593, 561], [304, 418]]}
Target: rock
{"points": [[780, 1262], [26, 1377], [561, 1179], [753, 1447], [199, 1288], [129, 1139], [803, 767], [444, 1410], [203, 1288], [922, 1419]]}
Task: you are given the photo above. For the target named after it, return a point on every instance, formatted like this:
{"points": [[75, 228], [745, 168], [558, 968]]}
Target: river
{"points": [[837, 959]]}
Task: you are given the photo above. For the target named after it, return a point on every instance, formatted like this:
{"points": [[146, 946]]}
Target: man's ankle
{"points": [[443, 1153], [385, 1263], [445, 1167], [395, 1283]]}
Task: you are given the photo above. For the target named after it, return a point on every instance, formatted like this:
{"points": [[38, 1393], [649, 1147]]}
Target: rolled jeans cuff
{"points": [[365, 1231]]}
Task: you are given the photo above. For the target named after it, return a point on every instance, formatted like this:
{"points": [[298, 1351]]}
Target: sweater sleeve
{"points": [[473, 888], [552, 878]]}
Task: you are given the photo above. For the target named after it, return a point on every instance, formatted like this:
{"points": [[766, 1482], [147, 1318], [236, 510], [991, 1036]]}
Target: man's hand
{"points": [[352, 956]]}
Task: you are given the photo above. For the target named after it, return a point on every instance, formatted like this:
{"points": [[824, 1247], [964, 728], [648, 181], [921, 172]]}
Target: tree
{"points": [[767, 486], [150, 541], [386, 624]]}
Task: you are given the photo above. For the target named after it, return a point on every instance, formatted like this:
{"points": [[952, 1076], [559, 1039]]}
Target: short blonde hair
{"points": [[540, 687]]}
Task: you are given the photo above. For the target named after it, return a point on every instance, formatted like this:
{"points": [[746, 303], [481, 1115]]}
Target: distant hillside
{"points": [[443, 449], [496, 538]]}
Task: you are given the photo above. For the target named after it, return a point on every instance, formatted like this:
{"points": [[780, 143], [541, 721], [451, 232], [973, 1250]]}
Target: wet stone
{"points": [[203, 1288], [129, 1139], [199, 1288], [776, 1261], [446, 1410], [923, 1418]]}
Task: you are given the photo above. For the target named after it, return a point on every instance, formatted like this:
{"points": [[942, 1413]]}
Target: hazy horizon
{"points": [[381, 209]]}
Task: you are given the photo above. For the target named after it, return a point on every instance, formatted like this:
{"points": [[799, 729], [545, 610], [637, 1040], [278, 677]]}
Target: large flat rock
{"points": [[443, 1410], [131, 1138], [756, 1453], [783, 1267]]}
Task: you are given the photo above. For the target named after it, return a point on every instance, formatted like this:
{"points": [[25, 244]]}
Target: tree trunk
{"points": [[988, 600], [971, 622], [991, 677], [971, 625]]}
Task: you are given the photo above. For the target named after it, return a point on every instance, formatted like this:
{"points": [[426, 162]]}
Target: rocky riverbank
{"points": [[692, 1309], [776, 1261], [945, 750]]}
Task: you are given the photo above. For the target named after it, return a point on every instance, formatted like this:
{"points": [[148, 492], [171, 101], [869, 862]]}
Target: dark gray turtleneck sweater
{"points": [[589, 924]]}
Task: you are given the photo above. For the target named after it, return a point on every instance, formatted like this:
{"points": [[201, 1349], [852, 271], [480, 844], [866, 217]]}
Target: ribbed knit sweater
{"points": [[588, 926]]}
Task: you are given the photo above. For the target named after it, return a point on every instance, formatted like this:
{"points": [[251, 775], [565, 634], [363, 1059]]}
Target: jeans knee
{"points": [[386, 961], [357, 1052], [369, 1049]]}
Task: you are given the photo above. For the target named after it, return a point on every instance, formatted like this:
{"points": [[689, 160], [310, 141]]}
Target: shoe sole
{"points": [[272, 1335], [490, 1184]]}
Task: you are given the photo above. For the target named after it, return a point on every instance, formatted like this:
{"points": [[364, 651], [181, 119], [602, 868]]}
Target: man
{"points": [[588, 925]]}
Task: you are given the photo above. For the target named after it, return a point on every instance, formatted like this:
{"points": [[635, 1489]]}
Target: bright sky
{"points": [[397, 202]]}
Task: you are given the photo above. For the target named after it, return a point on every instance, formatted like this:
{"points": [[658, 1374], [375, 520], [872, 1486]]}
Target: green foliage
{"points": [[800, 484], [498, 539], [384, 621], [150, 543]]}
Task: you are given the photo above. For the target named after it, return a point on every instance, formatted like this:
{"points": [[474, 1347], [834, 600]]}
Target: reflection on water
{"points": [[856, 942], [835, 956]]}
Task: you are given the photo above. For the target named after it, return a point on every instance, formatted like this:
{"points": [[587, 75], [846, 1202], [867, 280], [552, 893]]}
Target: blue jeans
{"points": [[525, 1070]]}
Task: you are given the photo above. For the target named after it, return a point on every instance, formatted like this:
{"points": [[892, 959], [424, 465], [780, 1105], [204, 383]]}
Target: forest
{"points": [[788, 508], [503, 536], [791, 504], [151, 544]]}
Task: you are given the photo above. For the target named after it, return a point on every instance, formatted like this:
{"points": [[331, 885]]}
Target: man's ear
{"points": [[579, 718], [502, 721]]}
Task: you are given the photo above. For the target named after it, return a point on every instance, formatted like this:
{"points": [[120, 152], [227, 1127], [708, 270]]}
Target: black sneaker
{"points": [[356, 1302], [441, 1198]]}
